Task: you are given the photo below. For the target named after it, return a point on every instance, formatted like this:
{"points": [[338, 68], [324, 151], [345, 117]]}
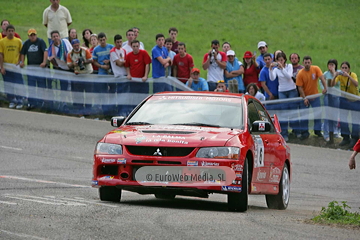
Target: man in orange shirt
{"points": [[307, 82]]}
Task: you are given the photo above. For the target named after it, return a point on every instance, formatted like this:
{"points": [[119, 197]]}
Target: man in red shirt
{"points": [[137, 62], [182, 63], [356, 148]]}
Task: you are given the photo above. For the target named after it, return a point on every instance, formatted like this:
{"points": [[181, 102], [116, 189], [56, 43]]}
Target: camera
{"points": [[276, 64], [341, 73], [81, 62]]}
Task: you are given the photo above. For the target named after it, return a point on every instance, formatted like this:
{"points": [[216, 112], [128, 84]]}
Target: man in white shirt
{"points": [[57, 17]]}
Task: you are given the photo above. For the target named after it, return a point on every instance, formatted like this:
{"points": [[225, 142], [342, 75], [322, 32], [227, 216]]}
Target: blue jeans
{"points": [[354, 106], [304, 123], [13, 80], [294, 124], [36, 83]]}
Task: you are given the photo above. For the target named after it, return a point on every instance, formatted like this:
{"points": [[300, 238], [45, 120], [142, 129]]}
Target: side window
{"points": [[252, 113], [264, 116]]}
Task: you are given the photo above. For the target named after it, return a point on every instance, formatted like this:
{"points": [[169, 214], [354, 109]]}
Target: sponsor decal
{"points": [[139, 139], [203, 163], [192, 163], [115, 121], [108, 160], [107, 177], [237, 167], [261, 176], [121, 161], [275, 174], [238, 175], [259, 151], [231, 188], [261, 126], [275, 188], [253, 188], [94, 183], [239, 182], [168, 139]]}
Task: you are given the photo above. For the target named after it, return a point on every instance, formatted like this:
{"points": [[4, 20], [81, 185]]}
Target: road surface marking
{"points": [[50, 201], [22, 235], [10, 203], [12, 148], [44, 181]]}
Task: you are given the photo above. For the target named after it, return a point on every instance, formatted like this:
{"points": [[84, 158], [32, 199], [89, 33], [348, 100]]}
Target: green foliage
{"points": [[338, 214], [323, 29]]}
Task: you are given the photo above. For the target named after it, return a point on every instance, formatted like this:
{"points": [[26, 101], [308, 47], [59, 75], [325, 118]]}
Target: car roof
{"points": [[212, 94]]}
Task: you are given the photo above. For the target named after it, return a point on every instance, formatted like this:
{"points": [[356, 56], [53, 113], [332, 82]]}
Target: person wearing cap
{"points": [[197, 83], [4, 24], [79, 59], [183, 63], [35, 51], [234, 70], [10, 48], [57, 17], [215, 63], [251, 70], [263, 48]]}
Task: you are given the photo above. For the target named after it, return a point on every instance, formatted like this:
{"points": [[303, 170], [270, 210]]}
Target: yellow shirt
{"points": [[347, 85], [10, 48]]}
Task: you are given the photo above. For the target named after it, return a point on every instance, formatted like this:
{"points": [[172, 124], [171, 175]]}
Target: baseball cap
{"points": [[247, 54], [75, 41], [195, 70], [262, 44], [31, 31], [230, 53], [215, 42]]}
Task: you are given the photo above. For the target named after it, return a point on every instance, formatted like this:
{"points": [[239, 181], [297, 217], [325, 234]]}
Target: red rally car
{"points": [[227, 141]]}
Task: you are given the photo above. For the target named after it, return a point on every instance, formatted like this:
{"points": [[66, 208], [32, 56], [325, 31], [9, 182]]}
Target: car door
{"points": [[267, 144]]}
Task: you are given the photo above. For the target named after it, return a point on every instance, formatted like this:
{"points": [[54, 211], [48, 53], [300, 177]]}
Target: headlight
{"points": [[108, 148], [219, 152]]}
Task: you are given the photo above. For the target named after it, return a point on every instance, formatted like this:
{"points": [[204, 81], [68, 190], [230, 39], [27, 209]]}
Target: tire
{"points": [[281, 200], [238, 202], [164, 196], [111, 194]]}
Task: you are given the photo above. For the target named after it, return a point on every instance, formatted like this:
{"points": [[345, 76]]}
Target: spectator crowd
{"points": [[268, 76]]}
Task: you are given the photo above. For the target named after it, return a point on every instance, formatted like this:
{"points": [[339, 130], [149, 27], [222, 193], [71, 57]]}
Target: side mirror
{"points": [[261, 126], [117, 121]]}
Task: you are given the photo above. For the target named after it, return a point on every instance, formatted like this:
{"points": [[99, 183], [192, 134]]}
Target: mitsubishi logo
{"points": [[157, 153]]}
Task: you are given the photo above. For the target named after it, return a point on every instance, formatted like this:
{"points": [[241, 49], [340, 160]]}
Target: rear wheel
{"points": [[111, 194], [281, 200], [239, 201], [164, 196]]}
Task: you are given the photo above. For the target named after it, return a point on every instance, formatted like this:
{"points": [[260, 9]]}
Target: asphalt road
{"points": [[45, 193]]}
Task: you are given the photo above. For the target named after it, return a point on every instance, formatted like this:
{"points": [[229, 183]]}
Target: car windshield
{"points": [[207, 111]]}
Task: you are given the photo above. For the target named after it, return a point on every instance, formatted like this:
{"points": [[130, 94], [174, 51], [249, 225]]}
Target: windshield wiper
{"points": [[138, 123], [198, 124]]}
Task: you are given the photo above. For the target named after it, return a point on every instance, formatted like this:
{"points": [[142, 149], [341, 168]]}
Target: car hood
{"points": [[171, 135]]}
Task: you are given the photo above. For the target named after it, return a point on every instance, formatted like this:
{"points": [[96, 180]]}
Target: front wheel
{"points": [[111, 194], [238, 202], [281, 200]]}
